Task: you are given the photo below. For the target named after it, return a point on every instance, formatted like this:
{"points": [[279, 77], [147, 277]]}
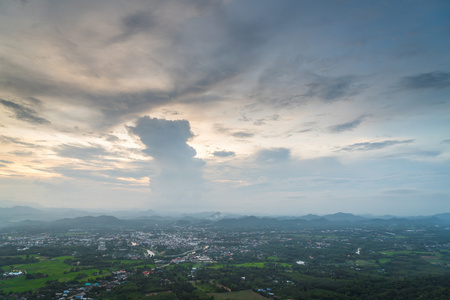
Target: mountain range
{"points": [[56, 218]]}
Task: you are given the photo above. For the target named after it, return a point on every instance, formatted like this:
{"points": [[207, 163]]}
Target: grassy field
{"points": [[248, 265], [54, 268], [254, 265], [384, 260], [432, 257], [365, 263], [392, 253], [242, 295]]}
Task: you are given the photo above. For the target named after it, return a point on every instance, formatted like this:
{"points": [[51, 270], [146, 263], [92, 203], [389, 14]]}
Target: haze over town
{"points": [[264, 107]]}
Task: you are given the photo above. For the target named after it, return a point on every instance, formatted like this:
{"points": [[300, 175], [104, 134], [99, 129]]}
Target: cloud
{"points": [[274, 155], [22, 153], [137, 22], [80, 152], [178, 177], [346, 126], [330, 89], [24, 113], [219, 128], [447, 141], [242, 134], [224, 153], [5, 161], [165, 140], [401, 191], [158, 53], [367, 146], [124, 178], [260, 122], [8, 140], [431, 80]]}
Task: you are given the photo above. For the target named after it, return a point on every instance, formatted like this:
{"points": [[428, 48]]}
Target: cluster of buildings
{"points": [[13, 273]]}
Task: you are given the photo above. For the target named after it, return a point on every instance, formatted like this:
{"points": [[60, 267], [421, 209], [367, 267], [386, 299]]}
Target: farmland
{"points": [[195, 262]]}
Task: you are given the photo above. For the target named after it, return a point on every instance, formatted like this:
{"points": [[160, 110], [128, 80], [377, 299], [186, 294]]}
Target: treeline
{"points": [[15, 260]]}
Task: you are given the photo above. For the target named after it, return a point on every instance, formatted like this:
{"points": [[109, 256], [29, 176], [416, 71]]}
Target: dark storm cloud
{"points": [[346, 126], [165, 140], [224, 153], [24, 113], [80, 152], [229, 40], [220, 45], [431, 80], [178, 177], [274, 155], [367, 146], [200, 48]]}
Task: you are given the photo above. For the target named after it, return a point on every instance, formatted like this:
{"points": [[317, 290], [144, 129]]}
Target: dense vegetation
{"points": [[195, 262]]}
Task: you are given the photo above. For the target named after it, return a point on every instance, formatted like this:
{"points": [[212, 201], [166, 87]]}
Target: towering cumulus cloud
{"points": [[178, 177]]}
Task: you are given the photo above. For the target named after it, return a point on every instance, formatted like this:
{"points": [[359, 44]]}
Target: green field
{"points": [[254, 265], [365, 263], [54, 268], [248, 265], [392, 253], [384, 260], [242, 295]]}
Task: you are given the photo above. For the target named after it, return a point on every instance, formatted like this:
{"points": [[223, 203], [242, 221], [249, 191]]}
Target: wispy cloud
{"points": [[24, 113], [431, 80], [346, 126], [9, 139], [274, 155], [367, 146], [135, 23], [22, 153], [401, 191], [80, 151], [242, 134], [224, 153], [331, 89]]}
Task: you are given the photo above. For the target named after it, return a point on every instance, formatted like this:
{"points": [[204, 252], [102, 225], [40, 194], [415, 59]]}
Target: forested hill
{"points": [[212, 220]]}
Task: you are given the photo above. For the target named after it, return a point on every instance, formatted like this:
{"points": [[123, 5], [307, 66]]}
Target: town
{"points": [[203, 262]]}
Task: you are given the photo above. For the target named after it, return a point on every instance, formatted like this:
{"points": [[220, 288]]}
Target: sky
{"points": [[253, 107]]}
